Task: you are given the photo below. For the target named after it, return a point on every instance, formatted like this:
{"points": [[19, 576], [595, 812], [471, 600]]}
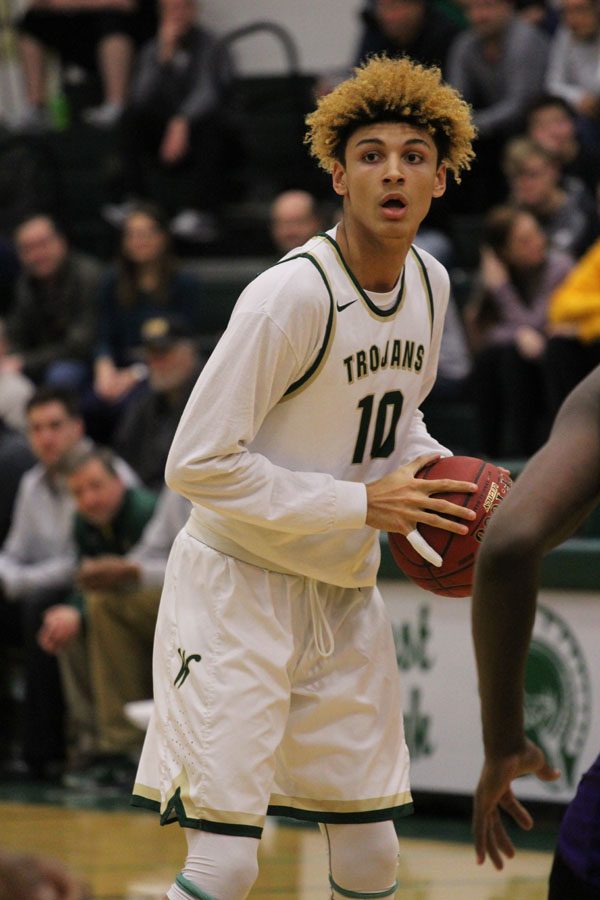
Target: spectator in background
{"points": [[130, 581], [573, 70], [149, 422], [118, 623], [173, 121], [37, 562], [294, 218], [15, 387], [568, 218], [50, 328], [15, 455], [506, 320], [37, 565], [100, 36], [15, 459], [416, 28], [574, 328], [144, 283], [552, 124], [24, 876], [455, 362], [498, 64]]}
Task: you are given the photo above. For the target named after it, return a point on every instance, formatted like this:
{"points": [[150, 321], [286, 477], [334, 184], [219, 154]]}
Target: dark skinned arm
{"points": [[557, 489]]}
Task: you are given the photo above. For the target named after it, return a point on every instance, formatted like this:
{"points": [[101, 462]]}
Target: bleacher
{"points": [[74, 168]]}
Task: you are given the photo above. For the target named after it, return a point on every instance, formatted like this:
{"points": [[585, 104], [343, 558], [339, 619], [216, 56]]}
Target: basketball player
{"points": [[276, 684], [559, 487]]}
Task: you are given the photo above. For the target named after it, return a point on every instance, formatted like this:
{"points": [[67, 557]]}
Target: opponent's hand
{"points": [[399, 502], [494, 792]]}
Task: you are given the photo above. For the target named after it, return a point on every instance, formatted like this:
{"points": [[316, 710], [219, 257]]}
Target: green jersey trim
{"points": [[427, 285], [373, 308], [321, 356], [341, 818], [175, 812], [363, 895]]}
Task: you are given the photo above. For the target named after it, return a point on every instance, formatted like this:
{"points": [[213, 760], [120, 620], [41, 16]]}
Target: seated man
{"points": [[294, 218], [50, 328], [123, 548], [37, 566], [146, 430]]}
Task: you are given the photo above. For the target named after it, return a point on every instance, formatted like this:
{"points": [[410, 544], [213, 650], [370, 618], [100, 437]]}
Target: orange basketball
{"points": [[454, 578]]}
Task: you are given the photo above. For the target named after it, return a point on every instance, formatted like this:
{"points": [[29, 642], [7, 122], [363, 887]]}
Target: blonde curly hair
{"points": [[385, 89]]}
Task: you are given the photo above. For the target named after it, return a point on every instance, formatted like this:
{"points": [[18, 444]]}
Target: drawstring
{"points": [[322, 633]]}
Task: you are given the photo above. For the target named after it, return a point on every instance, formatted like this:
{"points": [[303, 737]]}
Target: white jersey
{"points": [[312, 392]]}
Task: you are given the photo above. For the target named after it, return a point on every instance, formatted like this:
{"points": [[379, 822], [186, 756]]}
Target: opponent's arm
{"points": [[557, 488]]}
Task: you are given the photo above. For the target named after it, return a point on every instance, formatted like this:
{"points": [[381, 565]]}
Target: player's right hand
{"points": [[494, 793], [399, 502]]}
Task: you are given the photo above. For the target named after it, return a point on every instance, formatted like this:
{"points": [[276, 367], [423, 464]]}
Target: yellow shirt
{"points": [[577, 300]]}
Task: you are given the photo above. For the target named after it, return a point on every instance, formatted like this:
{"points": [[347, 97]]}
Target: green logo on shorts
{"points": [[557, 695], [185, 666]]}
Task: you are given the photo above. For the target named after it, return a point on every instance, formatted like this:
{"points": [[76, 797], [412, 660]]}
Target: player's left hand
{"points": [[494, 793]]}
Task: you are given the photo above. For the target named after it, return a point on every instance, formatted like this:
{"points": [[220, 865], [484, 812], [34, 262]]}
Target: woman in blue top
{"points": [[144, 283]]}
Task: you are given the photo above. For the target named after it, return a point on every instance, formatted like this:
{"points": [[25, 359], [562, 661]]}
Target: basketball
{"points": [[454, 578]]}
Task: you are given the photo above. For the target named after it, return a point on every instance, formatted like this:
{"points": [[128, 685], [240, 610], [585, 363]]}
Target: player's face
{"points": [[52, 432], [97, 492], [390, 175]]}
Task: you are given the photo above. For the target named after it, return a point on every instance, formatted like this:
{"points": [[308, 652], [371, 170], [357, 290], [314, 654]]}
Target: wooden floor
{"points": [[126, 855]]}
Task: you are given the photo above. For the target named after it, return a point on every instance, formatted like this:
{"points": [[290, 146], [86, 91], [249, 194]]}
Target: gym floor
{"points": [[124, 855]]}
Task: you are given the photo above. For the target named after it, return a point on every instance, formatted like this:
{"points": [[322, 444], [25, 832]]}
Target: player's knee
{"points": [[217, 866], [243, 873], [365, 859]]}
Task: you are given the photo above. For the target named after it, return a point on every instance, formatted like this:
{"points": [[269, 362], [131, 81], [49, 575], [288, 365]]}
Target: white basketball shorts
{"points": [[250, 717]]}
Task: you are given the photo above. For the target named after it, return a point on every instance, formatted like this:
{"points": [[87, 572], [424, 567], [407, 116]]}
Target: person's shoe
{"points": [[194, 226], [104, 116], [32, 120], [139, 712]]}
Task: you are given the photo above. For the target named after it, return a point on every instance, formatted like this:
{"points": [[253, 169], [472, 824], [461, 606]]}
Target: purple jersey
{"points": [[579, 838]]}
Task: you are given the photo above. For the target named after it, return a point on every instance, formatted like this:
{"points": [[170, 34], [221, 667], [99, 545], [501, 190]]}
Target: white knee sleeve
{"points": [[218, 867], [363, 859]]}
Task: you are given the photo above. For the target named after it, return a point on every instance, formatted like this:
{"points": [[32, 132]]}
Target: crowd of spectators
{"points": [[98, 354]]}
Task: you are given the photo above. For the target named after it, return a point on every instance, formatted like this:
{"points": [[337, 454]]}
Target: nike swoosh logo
{"points": [[346, 305]]}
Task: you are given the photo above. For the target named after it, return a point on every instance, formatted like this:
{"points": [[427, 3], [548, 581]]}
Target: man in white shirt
{"points": [[37, 564]]}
